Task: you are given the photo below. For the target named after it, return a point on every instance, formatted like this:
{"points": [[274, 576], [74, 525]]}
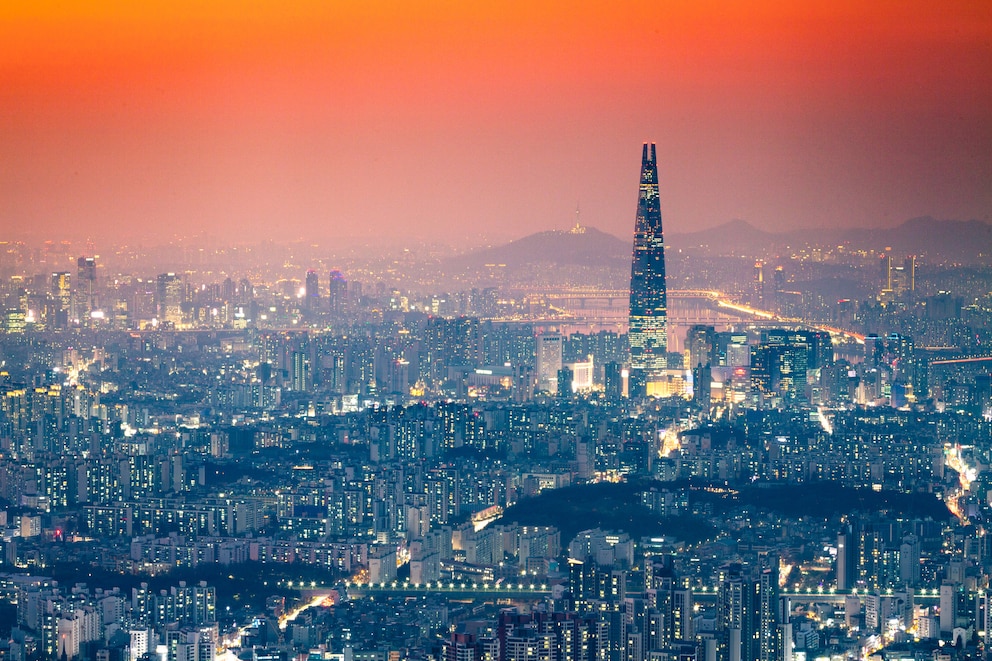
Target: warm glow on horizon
{"points": [[136, 117]]}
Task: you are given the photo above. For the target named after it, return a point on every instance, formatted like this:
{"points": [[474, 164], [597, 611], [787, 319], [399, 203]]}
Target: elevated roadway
{"points": [[525, 590]]}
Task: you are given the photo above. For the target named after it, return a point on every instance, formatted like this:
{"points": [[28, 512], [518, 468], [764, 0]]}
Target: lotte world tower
{"points": [[648, 324]]}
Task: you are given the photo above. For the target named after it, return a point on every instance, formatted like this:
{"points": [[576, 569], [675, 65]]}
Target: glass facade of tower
{"points": [[648, 329]]}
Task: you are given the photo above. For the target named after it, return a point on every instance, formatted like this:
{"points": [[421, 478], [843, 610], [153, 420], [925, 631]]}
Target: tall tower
{"points": [[648, 329]]}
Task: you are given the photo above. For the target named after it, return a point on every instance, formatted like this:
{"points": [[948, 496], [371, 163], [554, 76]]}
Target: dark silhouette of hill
{"points": [[953, 240], [827, 499], [590, 247], [618, 506], [965, 241], [737, 236], [605, 505]]}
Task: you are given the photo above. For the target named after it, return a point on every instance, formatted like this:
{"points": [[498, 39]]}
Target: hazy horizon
{"points": [[475, 123], [342, 251]]}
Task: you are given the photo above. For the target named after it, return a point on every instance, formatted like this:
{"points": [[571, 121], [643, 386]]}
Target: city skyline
{"points": [[324, 335], [210, 454], [452, 122]]}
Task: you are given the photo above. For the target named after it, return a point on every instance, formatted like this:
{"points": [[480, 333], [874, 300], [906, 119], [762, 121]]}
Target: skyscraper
{"points": [[549, 361], [700, 342], [312, 291], [62, 299], [846, 558], [169, 298], [85, 290], [648, 329], [337, 291]]}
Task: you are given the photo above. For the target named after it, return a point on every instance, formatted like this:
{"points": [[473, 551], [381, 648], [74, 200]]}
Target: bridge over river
{"points": [[589, 309]]}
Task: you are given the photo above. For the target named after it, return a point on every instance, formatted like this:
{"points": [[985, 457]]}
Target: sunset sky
{"points": [[455, 120]]}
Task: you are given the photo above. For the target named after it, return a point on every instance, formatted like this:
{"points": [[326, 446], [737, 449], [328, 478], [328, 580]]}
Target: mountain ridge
{"points": [[958, 241], [955, 240], [580, 246]]}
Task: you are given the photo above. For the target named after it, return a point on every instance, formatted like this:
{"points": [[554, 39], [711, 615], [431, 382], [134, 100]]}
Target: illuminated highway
{"points": [[538, 590], [966, 475], [957, 361], [523, 589], [232, 641]]}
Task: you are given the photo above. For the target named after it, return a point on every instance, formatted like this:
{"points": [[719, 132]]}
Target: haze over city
{"points": [[475, 121], [495, 331]]}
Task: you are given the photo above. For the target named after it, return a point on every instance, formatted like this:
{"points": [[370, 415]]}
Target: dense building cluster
{"points": [[403, 472], [53, 622]]}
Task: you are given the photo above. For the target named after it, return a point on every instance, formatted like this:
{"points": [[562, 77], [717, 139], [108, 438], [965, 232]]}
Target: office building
{"points": [[62, 297], [648, 321], [337, 292], [549, 361], [85, 287], [169, 295], [311, 291]]}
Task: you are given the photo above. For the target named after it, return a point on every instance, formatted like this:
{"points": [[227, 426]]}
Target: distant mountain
{"points": [[588, 249], [951, 240], [735, 236], [580, 246]]}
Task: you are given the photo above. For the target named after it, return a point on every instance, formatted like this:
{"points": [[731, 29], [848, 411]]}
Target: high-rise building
{"points": [[648, 327], [337, 292], [948, 607], [700, 343], [769, 615], [565, 378], [169, 298], [899, 354], [301, 371], [702, 384], [749, 611], [62, 296], [613, 382], [846, 559], [312, 291], [759, 283], [85, 287], [898, 280], [737, 611], [549, 361]]}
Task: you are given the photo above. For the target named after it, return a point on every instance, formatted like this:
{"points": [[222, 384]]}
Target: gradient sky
{"points": [[254, 119]]}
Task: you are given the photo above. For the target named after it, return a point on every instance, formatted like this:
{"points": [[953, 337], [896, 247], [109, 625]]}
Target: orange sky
{"points": [[456, 119]]}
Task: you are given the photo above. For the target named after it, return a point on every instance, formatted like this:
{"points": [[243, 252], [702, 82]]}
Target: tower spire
{"points": [[648, 327], [578, 229]]}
